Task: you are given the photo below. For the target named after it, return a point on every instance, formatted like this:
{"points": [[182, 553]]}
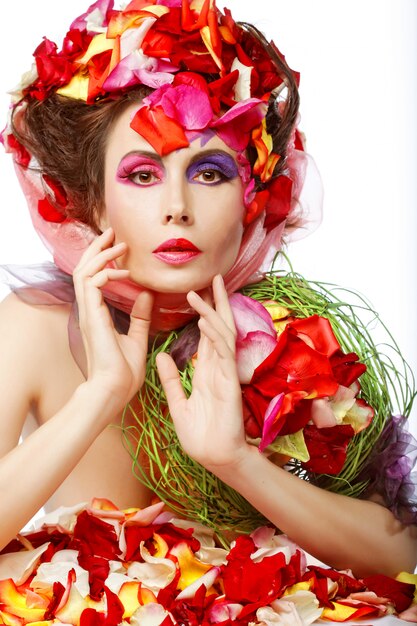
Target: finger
{"points": [[102, 278], [101, 242], [140, 317], [217, 339], [205, 348], [94, 259], [171, 382], [213, 317], [222, 302], [98, 244], [92, 265], [207, 296], [91, 303]]}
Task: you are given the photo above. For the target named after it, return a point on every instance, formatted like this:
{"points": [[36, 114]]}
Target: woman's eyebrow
{"points": [[212, 152], [144, 153]]}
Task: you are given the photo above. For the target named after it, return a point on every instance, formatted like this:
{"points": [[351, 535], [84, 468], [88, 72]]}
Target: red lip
{"points": [[177, 245]]}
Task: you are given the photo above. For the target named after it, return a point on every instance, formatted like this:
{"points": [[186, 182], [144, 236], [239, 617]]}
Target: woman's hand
{"points": [[115, 363], [209, 423]]}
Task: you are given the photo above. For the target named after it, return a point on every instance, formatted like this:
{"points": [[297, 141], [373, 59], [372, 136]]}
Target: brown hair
{"points": [[68, 137]]}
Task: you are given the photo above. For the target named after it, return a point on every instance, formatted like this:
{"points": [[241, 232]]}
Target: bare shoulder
{"points": [[31, 320], [33, 338], [31, 335]]}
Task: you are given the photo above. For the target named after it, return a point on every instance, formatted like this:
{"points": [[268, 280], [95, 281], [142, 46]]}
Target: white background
{"points": [[359, 97]]}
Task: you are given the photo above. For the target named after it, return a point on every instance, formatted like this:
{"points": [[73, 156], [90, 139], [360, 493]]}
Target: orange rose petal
{"points": [[227, 35], [15, 602], [130, 18], [36, 601], [10, 620], [144, 517], [343, 612], [206, 36], [162, 132], [103, 504], [121, 21], [115, 56], [99, 44], [70, 612], [161, 546], [406, 577], [105, 509], [146, 596], [190, 567], [188, 21], [129, 597]]}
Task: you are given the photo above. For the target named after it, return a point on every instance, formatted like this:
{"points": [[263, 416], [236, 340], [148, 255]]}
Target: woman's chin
{"points": [[176, 287]]}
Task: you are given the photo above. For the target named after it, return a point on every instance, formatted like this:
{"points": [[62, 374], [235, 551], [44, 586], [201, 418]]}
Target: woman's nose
{"points": [[177, 205]]}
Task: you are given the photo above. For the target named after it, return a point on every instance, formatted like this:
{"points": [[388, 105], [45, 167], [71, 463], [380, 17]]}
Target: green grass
{"points": [[191, 491]]}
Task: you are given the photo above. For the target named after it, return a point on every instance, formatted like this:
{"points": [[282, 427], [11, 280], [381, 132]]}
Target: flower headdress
{"points": [[209, 75]]}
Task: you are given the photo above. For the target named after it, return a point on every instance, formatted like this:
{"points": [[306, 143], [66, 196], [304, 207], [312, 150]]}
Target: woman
{"points": [[186, 176]]}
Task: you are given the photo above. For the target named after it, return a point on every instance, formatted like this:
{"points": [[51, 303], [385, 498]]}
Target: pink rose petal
{"points": [[235, 126], [135, 69], [147, 516], [80, 23], [251, 352], [322, 414], [188, 105], [271, 426], [249, 316], [224, 611]]}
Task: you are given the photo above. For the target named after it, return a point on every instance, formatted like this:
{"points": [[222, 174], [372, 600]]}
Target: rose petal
{"points": [[359, 415], [302, 605], [58, 569], [150, 614], [342, 401], [251, 352], [191, 568], [208, 579], [132, 38], [322, 413], [235, 126], [20, 565], [155, 572], [189, 106], [223, 611], [272, 425], [250, 316], [13, 601], [243, 83], [97, 9], [138, 69], [162, 132]]}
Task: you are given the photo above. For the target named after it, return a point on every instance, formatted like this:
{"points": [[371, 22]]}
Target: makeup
{"points": [[140, 170], [176, 251], [217, 162]]}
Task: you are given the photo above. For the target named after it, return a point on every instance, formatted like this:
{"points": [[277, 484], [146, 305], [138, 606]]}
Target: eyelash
{"points": [[212, 170], [155, 173], [134, 176]]}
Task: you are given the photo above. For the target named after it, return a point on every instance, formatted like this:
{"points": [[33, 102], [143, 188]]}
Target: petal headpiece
{"points": [[208, 74]]}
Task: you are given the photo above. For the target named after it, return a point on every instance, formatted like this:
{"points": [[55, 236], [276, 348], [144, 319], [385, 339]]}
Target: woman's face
{"points": [[180, 215]]}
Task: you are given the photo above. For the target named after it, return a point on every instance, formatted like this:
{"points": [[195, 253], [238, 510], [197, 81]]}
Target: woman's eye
{"points": [[143, 178], [209, 176]]}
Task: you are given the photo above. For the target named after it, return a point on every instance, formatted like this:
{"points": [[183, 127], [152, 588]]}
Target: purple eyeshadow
{"points": [[220, 162]]}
